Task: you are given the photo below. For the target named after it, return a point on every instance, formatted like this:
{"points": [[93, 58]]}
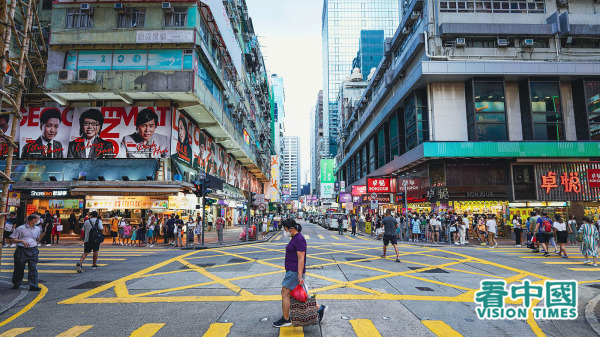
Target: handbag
{"points": [[579, 237], [304, 313]]}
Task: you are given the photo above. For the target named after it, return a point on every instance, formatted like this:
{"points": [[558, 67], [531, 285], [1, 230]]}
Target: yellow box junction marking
{"points": [[321, 236], [441, 329], [218, 330], [291, 331], [147, 330], [364, 328], [15, 332], [75, 331]]}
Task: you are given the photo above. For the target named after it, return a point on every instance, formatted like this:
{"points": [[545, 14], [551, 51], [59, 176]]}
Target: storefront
{"points": [[57, 201]]}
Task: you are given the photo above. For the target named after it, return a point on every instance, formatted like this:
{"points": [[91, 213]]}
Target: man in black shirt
{"points": [[170, 227], [389, 226]]}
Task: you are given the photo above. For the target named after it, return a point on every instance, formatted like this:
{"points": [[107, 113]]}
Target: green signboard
{"points": [[327, 171]]}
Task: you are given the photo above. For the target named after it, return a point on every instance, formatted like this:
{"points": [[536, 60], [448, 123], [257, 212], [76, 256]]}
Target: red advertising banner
{"points": [[359, 190], [593, 177], [378, 185]]}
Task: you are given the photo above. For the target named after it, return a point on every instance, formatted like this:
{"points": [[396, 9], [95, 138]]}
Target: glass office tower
{"points": [[343, 21]]}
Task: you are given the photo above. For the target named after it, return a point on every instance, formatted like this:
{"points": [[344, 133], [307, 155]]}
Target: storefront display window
{"points": [[436, 175], [486, 112]]}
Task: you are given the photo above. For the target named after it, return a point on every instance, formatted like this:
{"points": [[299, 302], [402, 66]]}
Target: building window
{"points": [[546, 111], [416, 120], [177, 18], [492, 6], [46, 5], [372, 155], [486, 112], [394, 139], [132, 17], [524, 182], [586, 105], [364, 162], [77, 19], [381, 141]]}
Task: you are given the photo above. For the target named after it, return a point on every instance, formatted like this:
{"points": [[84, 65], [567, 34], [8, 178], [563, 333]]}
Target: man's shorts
{"points": [[388, 238], [89, 246], [543, 237], [482, 233]]}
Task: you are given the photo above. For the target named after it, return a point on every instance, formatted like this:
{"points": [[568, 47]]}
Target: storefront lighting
{"points": [[125, 178], [52, 178]]}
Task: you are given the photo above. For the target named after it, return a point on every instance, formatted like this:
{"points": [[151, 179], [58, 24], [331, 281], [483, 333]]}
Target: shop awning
{"points": [[69, 169]]}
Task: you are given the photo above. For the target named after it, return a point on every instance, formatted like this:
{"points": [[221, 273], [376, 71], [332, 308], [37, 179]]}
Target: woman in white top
{"points": [[518, 228], [562, 235], [462, 230], [492, 229]]}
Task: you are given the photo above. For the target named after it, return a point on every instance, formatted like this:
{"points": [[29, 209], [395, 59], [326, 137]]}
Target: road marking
{"points": [[585, 269], [353, 239], [364, 328], [562, 262], [360, 237], [27, 307], [147, 330], [15, 332], [75, 331], [218, 330], [321, 237], [307, 237], [335, 237], [548, 257], [441, 329], [291, 331], [60, 264]]}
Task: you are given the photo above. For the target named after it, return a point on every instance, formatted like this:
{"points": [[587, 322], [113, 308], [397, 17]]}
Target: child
{"points": [[126, 234], [133, 236]]}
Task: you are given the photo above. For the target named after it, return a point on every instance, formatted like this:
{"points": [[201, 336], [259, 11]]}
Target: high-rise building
{"points": [[290, 172], [370, 51], [278, 111], [320, 149], [484, 109], [342, 22]]}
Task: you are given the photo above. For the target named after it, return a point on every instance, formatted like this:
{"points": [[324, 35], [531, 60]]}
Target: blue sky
{"points": [[290, 36]]}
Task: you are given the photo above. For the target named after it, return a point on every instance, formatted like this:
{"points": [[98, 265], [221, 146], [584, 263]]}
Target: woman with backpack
{"points": [[589, 236]]}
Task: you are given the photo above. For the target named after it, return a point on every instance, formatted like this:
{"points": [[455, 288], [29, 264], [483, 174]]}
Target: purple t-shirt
{"points": [[297, 244]]}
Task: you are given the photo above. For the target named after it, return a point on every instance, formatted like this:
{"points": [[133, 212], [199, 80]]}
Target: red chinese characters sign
{"points": [[568, 181], [593, 177], [378, 185]]}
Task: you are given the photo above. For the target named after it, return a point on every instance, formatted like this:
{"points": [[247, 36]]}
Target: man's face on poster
{"points": [[181, 128], [146, 130], [91, 128], [50, 128], [4, 124]]}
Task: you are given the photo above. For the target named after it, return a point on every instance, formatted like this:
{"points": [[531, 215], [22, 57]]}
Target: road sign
{"points": [[262, 207], [374, 204], [373, 196]]}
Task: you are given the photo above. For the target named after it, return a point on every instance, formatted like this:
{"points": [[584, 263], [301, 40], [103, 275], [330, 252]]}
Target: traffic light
{"points": [[198, 185], [252, 198], [206, 187]]}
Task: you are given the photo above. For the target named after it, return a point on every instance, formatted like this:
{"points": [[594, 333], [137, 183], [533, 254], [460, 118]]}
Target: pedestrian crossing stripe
{"points": [[15, 332], [147, 330], [585, 269], [335, 237], [364, 328], [321, 237], [75, 331], [291, 331], [441, 329], [218, 330], [350, 238], [307, 237]]}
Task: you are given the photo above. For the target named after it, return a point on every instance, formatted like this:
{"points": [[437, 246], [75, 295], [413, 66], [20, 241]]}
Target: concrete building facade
{"points": [[290, 173]]}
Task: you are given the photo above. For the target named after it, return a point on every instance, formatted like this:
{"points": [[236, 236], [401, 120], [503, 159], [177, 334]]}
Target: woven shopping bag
{"points": [[304, 313]]}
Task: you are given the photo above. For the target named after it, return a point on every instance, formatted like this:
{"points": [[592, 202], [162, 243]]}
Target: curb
{"points": [[15, 301], [590, 314], [225, 245]]}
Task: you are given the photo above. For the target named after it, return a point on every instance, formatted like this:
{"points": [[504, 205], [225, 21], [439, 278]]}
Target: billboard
{"points": [[378, 185], [45, 132], [274, 185], [5, 126], [327, 178]]}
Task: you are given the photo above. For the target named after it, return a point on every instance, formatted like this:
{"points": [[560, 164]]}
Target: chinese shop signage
{"points": [[381, 198], [413, 184], [359, 190], [378, 185], [568, 182]]}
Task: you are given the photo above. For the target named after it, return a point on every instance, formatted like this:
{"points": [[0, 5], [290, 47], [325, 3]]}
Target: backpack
{"points": [[95, 235], [546, 226]]}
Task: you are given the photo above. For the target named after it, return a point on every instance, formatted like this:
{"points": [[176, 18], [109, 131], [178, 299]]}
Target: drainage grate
{"points": [[237, 260], [351, 259], [203, 265], [597, 285], [424, 288], [435, 271], [90, 285]]}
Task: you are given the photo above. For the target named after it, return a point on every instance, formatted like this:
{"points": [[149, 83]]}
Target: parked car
{"points": [[332, 218], [321, 221]]}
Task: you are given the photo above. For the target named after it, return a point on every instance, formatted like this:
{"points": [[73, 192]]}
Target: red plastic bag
{"points": [[534, 239], [299, 293]]}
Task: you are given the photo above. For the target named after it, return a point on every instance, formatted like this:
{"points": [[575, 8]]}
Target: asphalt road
{"points": [[235, 291]]}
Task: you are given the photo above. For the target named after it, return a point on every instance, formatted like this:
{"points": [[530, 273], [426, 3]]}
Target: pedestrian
{"points": [[133, 236], [26, 237], [353, 226], [455, 225], [114, 229], [47, 229], [389, 234], [518, 229], [179, 231], [543, 230], [340, 224], [265, 226], [56, 227], [562, 235], [572, 225], [121, 231], [589, 240], [9, 226], [416, 230], [210, 220], [492, 229], [141, 233], [295, 267], [126, 234], [190, 224], [150, 232], [91, 240], [481, 230], [198, 229], [170, 230], [72, 223]]}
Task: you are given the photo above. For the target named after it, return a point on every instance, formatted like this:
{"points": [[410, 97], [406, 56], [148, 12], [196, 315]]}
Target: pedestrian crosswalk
{"points": [[361, 328], [62, 260]]}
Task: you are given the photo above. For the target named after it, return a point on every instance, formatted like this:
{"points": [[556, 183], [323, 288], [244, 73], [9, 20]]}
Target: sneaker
{"points": [[409, 240], [587, 261], [546, 254], [48, 245], [94, 267], [492, 247], [517, 245], [322, 310], [39, 245], [282, 322], [565, 256], [13, 245], [535, 251], [397, 260], [382, 256], [79, 267], [595, 265], [457, 244], [496, 246], [15, 286], [5, 246]]}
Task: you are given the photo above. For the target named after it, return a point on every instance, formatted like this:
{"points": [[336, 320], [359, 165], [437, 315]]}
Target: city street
{"points": [[235, 291]]}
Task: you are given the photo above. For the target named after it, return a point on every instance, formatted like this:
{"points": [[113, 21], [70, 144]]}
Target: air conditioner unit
{"points": [[119, 7], [405, 31], [86, 76], [460, 42], [66, 76], [528, 43], [388, 47], [388, 78], [502, 43], [415, 15], [166, 6], [85, 7]]}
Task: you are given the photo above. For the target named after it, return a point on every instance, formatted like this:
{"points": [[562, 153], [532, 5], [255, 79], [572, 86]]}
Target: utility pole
{"points": [[13, 95]]}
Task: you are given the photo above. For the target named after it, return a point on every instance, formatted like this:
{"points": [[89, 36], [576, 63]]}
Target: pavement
{"points": [[235, 291]]}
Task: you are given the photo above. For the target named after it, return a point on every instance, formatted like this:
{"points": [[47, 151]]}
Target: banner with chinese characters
{"points": [[378, 185], [567, 181]]}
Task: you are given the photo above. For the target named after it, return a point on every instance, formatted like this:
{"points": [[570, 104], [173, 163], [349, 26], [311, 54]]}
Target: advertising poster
{"points": [[5, 126], [45, 132], [274, 187], [184, 140], [118, 132], [327, 178]]}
